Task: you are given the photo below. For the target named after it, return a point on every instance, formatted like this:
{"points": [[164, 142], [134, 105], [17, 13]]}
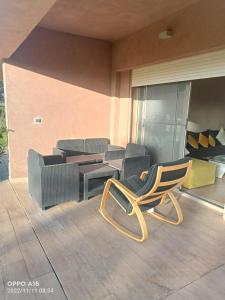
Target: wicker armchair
{"points": [[51, 180]]}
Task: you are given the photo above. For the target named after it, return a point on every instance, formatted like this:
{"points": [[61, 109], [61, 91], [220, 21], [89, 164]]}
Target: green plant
{"points": [[3, 130]]}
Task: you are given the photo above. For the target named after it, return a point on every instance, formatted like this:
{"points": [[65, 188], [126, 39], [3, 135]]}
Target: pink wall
{"points": [[66, 79], [62, 78], [197, 29], [120, 108]]}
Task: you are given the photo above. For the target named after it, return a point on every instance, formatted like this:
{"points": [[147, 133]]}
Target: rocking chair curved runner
{"points": [[137, 195]]}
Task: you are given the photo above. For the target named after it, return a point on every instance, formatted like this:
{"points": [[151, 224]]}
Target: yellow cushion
{"points": [[192, 141], [212, 141], [202, 173], [203, 140]]}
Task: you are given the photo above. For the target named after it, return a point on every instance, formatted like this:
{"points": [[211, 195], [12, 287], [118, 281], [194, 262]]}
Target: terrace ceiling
{"points": [[17, 19], [108, 20]]}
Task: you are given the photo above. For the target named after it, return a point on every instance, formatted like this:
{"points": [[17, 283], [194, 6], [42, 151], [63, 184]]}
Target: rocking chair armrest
{"points": [[143, 175], [122, 188]]}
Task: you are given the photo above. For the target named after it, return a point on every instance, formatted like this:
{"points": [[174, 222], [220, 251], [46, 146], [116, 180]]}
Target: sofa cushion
{"points": [[213, 133], [193, 134], [221, 136], [192, 142], [53, 159], [203, 139], [212, 141]]}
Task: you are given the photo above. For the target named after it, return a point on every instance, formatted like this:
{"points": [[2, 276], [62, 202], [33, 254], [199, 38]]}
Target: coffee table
{"points": [[219, 161], [94, 177]]}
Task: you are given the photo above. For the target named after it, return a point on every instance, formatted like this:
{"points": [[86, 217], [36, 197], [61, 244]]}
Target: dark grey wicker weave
{"points": [[96, 145], [131, 150], [51, 180], [74, 147], [134, 166]]}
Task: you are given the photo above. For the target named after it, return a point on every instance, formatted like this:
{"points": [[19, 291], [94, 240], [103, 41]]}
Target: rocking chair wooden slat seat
{"points": [[137, 195]]}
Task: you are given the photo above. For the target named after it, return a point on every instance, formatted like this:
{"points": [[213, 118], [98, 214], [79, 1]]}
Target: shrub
{"points": [[3, 130]]}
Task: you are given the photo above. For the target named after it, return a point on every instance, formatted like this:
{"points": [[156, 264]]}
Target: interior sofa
{"points": [[202, 152], [51, 180], [72, 147]]}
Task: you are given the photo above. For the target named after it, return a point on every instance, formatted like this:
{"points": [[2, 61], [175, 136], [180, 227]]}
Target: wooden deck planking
{"points": [[203, 288], [14, 272], [93, 261], [213, 192], [21, 255], [50, 280]]}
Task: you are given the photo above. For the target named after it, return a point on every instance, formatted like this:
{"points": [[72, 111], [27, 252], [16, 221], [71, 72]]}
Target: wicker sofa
{"points": [[51, 180], [71, 147]]}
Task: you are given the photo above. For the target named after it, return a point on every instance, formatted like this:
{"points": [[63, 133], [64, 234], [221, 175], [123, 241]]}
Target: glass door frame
{"points": [[139, 97]]}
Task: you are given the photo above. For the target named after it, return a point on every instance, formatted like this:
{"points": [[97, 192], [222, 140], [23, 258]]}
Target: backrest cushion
{"points": [[54, 160], [96, 145], [72, 144], [221, 136], [212, 141], [135, 150], [203, 139], [213, 134], [192, 141], [166, 176]]}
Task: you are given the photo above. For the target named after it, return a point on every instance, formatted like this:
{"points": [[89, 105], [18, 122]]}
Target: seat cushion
{"points": [[134, 184]]}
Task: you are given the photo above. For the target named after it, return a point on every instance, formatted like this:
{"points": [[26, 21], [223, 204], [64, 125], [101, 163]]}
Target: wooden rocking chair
{"points": [[137, 195]]}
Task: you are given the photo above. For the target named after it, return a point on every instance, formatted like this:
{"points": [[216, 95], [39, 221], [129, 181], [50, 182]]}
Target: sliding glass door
{"points": [[161, 119]]}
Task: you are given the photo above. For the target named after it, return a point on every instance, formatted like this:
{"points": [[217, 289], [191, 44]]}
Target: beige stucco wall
{"points": [[17, 20], [63, 78], [197, 29], [120, 108]]}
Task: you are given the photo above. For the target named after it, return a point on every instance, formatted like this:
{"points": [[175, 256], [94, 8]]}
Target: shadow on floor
{"points": [[4, 171]]}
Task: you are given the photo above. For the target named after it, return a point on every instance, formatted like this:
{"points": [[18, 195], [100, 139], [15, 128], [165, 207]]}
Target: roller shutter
{"points": [[196, 67]]}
